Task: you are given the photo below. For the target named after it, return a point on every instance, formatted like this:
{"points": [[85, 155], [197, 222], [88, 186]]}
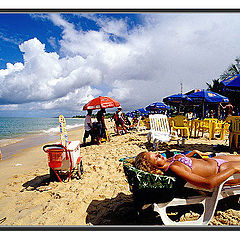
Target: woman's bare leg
{"points": [[229, 158]]}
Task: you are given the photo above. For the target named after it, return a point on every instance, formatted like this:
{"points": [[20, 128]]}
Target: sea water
{"points": [[17, 133], [14, 127]]}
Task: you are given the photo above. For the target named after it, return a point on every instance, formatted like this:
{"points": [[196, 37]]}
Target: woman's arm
{"points": [[204, 182], [196, 152]]}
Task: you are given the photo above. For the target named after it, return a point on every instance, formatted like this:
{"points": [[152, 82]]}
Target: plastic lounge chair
{"points": [[160, 130], [162, 192]]}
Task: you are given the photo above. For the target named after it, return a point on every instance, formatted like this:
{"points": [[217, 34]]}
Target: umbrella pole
{"points": [[203, 111]]}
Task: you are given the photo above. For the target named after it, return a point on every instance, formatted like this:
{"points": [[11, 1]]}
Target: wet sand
{"points": [[101, 197], [15, 146]]}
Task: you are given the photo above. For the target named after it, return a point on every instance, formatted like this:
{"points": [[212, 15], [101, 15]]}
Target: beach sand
{"points": [[101, 197]]}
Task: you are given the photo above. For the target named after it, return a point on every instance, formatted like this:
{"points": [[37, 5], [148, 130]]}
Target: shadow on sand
{"points": [[38, 181], [120, 210]]}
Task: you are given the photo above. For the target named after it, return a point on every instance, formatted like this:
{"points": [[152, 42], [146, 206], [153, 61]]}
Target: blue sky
{"points": [[53, 63], [17, 28]]}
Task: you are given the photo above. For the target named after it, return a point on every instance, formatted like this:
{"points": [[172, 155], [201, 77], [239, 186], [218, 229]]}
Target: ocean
{"points": [[11, 127], [18, 133]]}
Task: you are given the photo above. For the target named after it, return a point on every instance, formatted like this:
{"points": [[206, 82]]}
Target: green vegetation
{"points": [[217, 87]]}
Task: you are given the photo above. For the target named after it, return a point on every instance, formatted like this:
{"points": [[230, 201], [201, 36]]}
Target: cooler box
{"points": [[74, 148]]}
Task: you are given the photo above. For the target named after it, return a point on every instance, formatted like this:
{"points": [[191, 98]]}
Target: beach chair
{"points": [[163, 192], [220, 127], [160, 130], [141, 125], [234, 132], [146, 122], [180, 124]]}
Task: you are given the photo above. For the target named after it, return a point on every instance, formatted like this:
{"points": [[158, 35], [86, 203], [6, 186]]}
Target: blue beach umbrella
{"points": [[177, 99], [205, 96], [157, 106], [130, 114], [141, 111], [231, 84]]}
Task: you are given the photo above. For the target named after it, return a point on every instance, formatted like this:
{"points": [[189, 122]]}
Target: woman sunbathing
{"points": [[204, 172]]}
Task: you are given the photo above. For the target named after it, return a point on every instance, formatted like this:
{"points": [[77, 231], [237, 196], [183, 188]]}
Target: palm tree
{"points": [[232, 70], [215, 87]]}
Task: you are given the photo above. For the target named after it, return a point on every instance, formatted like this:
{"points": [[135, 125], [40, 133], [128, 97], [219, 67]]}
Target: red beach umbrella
{"points": [[101, 102]]}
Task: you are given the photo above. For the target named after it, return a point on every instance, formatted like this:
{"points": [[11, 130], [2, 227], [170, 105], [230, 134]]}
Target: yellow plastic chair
{"points": [[191, 126], [180, 124], [194, 127], [203, 127], [234, 131], [210, 125], [146, 122], [221, 127]]}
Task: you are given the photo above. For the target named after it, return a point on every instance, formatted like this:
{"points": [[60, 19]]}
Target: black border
{"points": [[119, 227], [120, 10]]}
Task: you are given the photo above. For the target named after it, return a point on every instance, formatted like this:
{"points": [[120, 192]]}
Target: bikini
{"points": [[184, 159], [219, 162], [188, 161]]}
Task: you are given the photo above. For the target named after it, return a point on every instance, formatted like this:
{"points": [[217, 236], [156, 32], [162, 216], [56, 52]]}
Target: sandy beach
{"points": [[101, 197]]}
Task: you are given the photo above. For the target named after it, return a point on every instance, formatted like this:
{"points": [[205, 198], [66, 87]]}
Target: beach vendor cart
{"points": [[64, 157], [64, 162]]}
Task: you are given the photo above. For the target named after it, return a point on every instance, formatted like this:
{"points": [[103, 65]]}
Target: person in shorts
{"points": [[88, 126], [119, 120]]}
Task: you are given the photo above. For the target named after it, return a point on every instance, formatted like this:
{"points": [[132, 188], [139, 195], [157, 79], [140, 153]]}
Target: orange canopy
{"points": [[101, 102]]}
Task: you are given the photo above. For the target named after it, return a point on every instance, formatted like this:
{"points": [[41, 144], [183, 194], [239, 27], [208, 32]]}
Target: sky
{"points": [[54, 63]]}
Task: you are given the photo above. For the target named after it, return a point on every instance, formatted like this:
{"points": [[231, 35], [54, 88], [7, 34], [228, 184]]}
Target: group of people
{"points": [[97, 130]]}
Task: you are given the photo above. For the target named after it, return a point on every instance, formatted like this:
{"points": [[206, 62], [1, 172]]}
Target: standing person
{"points": [[135, 121], [119, 120], [101, 124], [189, 115], [88, 127], [228, 109]]}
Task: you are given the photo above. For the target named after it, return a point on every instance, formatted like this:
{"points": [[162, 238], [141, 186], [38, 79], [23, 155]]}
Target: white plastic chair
{"points": [[209, 203], [160, 130]]}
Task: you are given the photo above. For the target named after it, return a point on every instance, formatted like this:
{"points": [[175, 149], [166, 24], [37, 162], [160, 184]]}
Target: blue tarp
{"points": [[207, 97]]}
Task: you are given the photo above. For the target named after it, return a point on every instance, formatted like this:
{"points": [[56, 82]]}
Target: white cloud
{"points": [[44, 76], [73, 101], [9, 107]]}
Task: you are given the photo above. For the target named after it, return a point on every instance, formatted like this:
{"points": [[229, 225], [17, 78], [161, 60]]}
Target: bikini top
{"points": [[184, 159]]}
